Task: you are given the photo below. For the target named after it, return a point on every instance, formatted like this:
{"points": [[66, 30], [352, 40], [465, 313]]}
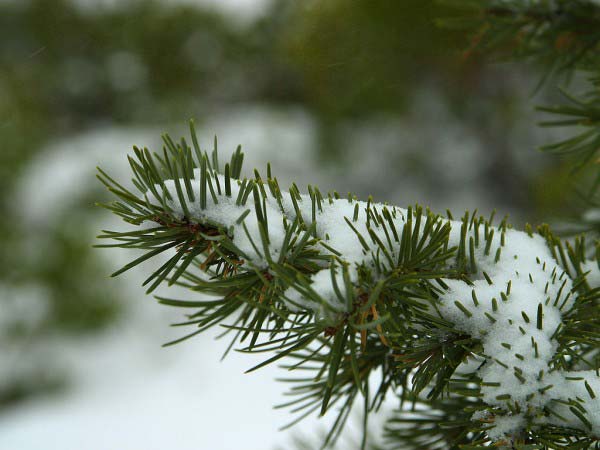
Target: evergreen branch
{"points": [[344, 288]]}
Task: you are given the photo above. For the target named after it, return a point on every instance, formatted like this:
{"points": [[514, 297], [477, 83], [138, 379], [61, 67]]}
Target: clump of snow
{"points": [[339, 223], [240, 219], [516, 314], [332, 229]]}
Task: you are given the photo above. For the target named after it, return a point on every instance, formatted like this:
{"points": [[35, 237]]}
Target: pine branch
{"points": [[461, 316]]}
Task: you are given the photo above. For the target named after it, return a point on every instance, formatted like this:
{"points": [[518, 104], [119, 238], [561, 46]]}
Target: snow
{"points": [[48, 187], [505, 426], [591, 215], [226, 213], [333, 228], [22, 306], [22, 311], [518, 348], [130, 394], [322, 285]]}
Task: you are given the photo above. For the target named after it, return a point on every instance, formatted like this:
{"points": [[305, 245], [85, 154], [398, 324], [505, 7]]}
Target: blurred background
{"points": [[369, 97]]}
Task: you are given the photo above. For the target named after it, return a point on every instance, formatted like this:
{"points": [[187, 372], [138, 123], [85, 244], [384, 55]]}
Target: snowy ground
{"points": [[132, 394]]}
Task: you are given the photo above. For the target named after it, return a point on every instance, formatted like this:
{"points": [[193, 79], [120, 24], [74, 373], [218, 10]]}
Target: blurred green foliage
{"points": [[360, 57]]}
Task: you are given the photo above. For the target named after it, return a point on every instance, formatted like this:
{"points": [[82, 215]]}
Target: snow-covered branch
{"points": [[375, 278]]}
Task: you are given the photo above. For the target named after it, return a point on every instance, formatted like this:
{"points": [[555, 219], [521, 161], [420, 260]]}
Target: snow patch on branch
{"points": [[331, 228], [516, 314], [226, 213]]}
